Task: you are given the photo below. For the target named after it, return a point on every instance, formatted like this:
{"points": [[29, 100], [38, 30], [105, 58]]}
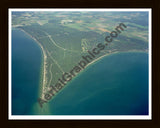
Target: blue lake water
{"points": [[115, 85], [26, 63]]}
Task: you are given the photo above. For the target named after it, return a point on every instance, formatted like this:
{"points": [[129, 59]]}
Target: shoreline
{"points": [[43, 65], [117, 52], [94, 62]]}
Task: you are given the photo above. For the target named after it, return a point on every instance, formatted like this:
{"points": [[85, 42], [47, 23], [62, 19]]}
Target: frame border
{"points": [[154, 4]]}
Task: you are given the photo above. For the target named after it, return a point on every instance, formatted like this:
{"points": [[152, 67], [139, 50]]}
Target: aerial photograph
{"points": [[79, 62]]}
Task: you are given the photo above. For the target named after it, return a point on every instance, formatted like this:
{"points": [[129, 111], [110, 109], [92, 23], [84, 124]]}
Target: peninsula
{"points": [[64, 37]]}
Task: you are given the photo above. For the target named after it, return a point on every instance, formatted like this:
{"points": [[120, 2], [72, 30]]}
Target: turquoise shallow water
{"points": [[115, 85], [26, 62]]}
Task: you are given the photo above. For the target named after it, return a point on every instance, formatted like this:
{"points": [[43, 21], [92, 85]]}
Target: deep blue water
{"points": [[26, 63], [115, 85]]}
